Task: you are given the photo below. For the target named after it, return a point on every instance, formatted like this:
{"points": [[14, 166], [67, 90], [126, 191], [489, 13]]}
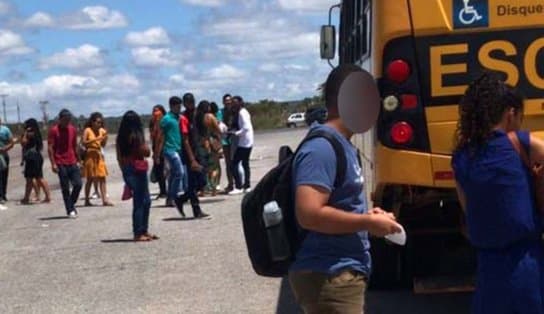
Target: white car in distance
{"points": [[296, 119]]}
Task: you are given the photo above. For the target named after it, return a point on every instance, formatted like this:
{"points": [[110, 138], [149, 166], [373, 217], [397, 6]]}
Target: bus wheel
{"points": [[388, 266]]}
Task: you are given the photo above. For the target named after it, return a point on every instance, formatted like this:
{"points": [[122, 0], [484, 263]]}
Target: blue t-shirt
{"points": [[315, 164], [5, 135], [172, 135], [498, 189]]}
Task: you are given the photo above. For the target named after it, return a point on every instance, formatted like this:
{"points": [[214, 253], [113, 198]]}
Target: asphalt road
{"points": [[49, 264]]}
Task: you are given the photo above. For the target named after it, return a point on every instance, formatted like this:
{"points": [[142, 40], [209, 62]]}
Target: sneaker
{"points": [[247, 190], [95, 196], [179, 205], [202, 215], [236, 192], [73, 214], [3, 207]]}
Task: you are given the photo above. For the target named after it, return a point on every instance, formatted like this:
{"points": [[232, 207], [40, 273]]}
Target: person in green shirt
{"points": [[170, 146]]}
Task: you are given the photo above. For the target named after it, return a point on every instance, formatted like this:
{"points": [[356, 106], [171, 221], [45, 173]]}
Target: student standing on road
{"points": [[94, 166], [132, 152], [62, 149], [243, 147], [156, 137], [196, 179], [227, 116], [332, 266], [497, 193], [6, 143], [213, 123], [170, 146], [32, 144]]}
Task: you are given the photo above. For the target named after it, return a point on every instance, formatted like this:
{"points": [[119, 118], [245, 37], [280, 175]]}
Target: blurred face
{"points": [[176, 108], [97, 123], [189, 106], [64, 121], [227, 102]]}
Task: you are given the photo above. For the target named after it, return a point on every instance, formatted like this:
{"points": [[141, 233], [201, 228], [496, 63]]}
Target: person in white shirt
{"points": [[243, 149]]}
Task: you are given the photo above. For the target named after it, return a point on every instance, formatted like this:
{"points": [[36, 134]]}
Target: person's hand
{"points": [[379, 211], [382, 225], [54, 168], [195, 166]]}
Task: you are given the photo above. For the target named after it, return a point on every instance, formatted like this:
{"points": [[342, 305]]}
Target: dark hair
{"points": [[92, 118], [238, 99], [35, 128], [188, 98], [482, 107], [201, 111], [65, 113], [160, 107], [226, 96], [334, 82], [174, 101], [214, 108], [130, 134]]}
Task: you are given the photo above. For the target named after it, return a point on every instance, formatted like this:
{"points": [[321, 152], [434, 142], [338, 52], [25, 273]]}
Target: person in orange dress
{"points": [[94, 166]]}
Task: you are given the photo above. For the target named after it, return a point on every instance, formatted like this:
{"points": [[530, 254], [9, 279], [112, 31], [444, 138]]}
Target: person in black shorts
{"points": [[32, 144]]}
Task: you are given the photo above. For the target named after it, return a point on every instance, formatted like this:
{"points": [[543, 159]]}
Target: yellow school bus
{"points": [[423, 54]]}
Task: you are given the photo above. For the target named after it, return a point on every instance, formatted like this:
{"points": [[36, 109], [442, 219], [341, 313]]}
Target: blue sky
{"points": [[111, 56]]}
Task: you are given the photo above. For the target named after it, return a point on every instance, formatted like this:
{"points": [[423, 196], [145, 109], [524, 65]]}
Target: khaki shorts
{"points": [[321, 293]]}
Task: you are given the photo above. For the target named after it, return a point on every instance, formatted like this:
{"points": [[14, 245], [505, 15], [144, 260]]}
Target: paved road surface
{"points": [[49, 264]]}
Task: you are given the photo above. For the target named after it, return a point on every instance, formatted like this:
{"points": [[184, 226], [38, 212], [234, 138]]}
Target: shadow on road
{"points": [[179, 219], [118, 241], [54, 218], [286, 299], [211, 200]]}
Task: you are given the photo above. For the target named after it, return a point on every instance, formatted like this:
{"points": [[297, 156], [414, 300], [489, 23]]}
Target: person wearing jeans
{"points": [[243, 148], [62, 149], [177, 174], [6, 143], [132, 152]]}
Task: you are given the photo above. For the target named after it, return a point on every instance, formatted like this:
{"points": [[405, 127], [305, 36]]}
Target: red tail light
{"points": [[398, 71], [402, 133], [409, 101]]}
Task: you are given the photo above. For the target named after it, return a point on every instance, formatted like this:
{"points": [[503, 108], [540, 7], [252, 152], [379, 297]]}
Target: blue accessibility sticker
{"points": [[470, 13]]}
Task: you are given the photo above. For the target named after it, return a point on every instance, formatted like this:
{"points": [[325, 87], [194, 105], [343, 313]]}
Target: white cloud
{"points": [[85, 56], [12, 44], [307, 6], [206, 3], [151, 37], [5, 8], [225, 71], [94, 17], [39, 20], [153, 57]]}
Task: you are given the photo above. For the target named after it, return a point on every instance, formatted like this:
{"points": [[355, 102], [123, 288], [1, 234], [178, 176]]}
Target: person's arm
{"points": [[193, 163], [537, 150], [461, 197], [213, 125], [243, 121], [104, 141], [9, 145], [159, 146], [314, 214], [51, 151]]}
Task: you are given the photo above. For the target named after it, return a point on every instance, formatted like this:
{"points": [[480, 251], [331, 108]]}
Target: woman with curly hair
{"points": [[94, 166], [132, 152], [496, 191]]}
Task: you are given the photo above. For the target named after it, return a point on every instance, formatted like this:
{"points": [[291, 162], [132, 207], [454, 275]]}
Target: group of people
{"points": [[187, 144]]}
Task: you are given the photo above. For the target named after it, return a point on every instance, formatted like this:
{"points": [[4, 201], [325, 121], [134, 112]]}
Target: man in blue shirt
{"points": [[6, 143], [332, 266]]}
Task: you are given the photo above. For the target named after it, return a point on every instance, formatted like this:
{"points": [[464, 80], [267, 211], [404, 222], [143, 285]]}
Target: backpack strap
{"points": [[341, 162]]}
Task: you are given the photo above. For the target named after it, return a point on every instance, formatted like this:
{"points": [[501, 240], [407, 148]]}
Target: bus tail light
{"points": [[398, 71], [409, 101], [402, 133]]}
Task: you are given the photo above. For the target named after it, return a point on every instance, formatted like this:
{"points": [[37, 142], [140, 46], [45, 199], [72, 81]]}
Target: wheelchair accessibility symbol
{"points": [[470, 13]]}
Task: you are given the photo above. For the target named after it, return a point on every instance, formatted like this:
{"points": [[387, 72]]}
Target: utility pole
{"points": [[18, 112], [4, 96], [43, 107]]}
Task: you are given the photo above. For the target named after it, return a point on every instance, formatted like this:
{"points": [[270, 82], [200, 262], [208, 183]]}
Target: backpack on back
{"points": [[277, 185]]}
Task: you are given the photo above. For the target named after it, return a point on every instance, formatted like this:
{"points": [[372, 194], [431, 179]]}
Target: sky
{"points": [[112, 56]]}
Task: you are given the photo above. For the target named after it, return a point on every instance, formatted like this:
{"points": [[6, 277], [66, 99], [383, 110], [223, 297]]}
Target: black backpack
{"points": [[276, 185]]}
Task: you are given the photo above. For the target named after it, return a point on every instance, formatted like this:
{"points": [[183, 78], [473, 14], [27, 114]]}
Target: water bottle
{"points": [[275, 230]]}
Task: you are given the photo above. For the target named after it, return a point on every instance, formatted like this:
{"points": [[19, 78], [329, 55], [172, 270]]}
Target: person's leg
{"points": [[238, 154], [65, 188], [6, 179], [28, 190], [103, 192], [175, 188], [75, 179], [134, 182], [226, 156], [88, 185], [320, 293], [246, 152], [45, 186], [159, 174]]}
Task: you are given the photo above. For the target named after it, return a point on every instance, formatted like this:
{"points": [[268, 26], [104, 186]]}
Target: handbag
{"points": [[536, 170], [140, 165]]}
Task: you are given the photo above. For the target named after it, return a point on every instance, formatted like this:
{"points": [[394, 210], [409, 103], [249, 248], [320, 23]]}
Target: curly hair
{"points": [[482, 107]]}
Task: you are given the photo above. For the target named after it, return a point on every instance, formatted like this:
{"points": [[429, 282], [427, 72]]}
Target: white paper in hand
{"points": [[397, 238]]}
